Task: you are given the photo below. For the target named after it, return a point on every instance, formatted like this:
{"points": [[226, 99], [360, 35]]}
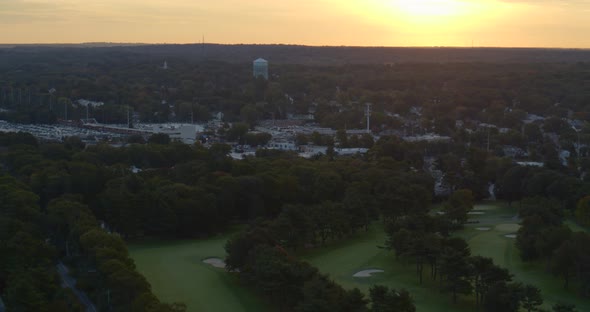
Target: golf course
{"points": [[178, 272]]}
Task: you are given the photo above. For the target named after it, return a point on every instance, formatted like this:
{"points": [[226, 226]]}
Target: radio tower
{"points": [[368, 114]]}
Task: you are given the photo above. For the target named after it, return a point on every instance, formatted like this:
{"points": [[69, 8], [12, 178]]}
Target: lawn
{"points": [[342, 260], [177, 274], [496, 245]]}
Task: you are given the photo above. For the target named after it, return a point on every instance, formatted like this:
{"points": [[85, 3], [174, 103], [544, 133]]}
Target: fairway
{"points": [[487, 238], [177, 274], [342, 260], [494, 244]]}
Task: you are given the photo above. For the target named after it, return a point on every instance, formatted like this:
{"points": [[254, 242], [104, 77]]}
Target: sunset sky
{"points": [[501, 23]]}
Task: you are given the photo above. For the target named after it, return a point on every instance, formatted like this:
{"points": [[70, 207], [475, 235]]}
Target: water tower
{"points": [[261, 68]]}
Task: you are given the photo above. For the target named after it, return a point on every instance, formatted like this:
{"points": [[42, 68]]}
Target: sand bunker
{"points": [[484, 207], [510, 235], [476, 213], [367, 273], [216, 262], [483, 228], [508, 227]]}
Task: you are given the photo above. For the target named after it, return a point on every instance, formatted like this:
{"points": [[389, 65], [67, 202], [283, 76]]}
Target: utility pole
{"points": [[488, 147], [368, 114], [578, 145]]}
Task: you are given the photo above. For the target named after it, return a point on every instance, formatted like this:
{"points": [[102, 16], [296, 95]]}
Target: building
{"points": [[260, 68], [185, 133], [283, 145]]}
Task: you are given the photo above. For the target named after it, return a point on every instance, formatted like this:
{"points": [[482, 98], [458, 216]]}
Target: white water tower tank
{"points": [[261, 68]]}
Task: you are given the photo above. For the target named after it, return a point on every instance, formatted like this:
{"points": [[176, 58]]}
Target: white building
{"points": [[184, 133], [260, 68], [282, 145]]}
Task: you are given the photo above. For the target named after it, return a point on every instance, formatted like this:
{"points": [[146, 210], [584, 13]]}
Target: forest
{"points": [[88, 203], [82, 204]]}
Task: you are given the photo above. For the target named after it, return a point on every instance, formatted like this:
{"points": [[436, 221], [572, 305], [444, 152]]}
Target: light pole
{"points": [[578, 144]]}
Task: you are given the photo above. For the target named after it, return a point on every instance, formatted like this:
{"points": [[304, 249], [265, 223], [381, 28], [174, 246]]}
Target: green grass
{"points": [[574, 226], [177, 274], [344, 259], [503, 250]]}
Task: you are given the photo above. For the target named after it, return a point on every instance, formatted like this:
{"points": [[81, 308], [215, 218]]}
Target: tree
{"points": [[237, 132], [366, 141], [485, 275], [359, 204], [293, 226], [563, 307], [583, 211], [159, 138], [510, 185], [458, 205], [531, 298], [563, 261], [250, 115], [301, 139], [316, 138], [527, 236], [454, 267], [342, 138], [503, 297]]}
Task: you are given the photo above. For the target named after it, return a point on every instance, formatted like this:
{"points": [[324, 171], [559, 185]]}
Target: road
{"points": [[70, 282]]}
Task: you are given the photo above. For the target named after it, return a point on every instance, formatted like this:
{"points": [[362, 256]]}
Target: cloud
{"points": [[28, 11]]}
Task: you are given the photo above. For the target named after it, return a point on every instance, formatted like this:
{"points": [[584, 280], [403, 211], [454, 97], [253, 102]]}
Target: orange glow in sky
{"points": [[509, 23]]}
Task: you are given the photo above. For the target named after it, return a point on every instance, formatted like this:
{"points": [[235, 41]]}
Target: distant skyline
{"points": [[482, 23]]}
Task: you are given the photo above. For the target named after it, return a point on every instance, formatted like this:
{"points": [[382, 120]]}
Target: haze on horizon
{"points": [[498, 23]]}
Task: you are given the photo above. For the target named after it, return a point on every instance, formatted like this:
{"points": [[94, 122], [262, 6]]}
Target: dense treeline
{"points": [[424, 238], [35, 90], [105, 270], [39, 230], [175, 191], [28, 279], [91, 197], [294, 285], [543, 236]]}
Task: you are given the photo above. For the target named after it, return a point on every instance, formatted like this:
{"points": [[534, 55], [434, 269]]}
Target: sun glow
{"points": [[430, 8]]}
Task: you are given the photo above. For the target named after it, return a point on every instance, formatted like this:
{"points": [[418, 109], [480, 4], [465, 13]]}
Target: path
{"points": [[70, 282]]}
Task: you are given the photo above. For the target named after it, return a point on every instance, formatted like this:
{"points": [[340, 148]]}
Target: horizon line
{"points": [[290, 44]]}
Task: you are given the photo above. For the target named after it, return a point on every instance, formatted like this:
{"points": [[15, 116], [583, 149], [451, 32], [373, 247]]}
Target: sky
{"points": [[497, 23]]}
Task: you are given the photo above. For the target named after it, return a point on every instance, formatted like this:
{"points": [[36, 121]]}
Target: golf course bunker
{"points": [[510, 235], [507, 227], [483, 228], [215, 262], [367, 273], [484, 207]]}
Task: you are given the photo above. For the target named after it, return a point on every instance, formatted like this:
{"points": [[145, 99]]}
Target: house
{"points": [[282, 145]]}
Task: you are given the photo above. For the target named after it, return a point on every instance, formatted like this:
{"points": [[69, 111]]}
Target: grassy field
{"points": [[177, 274], [494, 244], [341, 261]]}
